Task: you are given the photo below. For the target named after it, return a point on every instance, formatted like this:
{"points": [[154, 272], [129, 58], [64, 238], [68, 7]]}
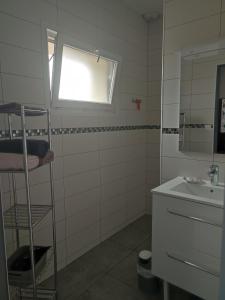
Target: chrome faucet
{"points": [[214, 174]]}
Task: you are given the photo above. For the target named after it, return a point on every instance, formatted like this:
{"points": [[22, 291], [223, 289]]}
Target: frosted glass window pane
{"points": [[85, 76]]}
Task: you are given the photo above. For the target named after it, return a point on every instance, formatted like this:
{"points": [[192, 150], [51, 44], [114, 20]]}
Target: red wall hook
{"points": [[138, 103]]}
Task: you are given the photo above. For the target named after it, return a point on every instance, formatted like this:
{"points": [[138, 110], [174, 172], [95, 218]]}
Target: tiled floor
{"points": [[108, 272]]}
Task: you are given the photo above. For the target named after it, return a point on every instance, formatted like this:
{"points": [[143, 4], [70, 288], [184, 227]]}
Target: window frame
{"points": [[52, 37], [76, 104]]}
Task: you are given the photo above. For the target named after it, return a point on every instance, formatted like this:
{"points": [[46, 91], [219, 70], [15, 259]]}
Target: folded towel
{"points": [[34, 147], [47, 159], [15, 162]]}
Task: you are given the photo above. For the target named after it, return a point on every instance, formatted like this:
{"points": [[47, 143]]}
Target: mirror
{"points": [[202, 100]]}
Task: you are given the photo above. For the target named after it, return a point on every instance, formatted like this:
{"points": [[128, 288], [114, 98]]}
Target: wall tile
{"points": [[155, 88], [192, 34], [79, 221], [111, 173], [155, 72], [136, 203], [82, 201], [113, 223], [203, 101], [154, 103], [19, 33], [171, 91], [171, 116], [181, 11], [20, 61], [223, 23], [81, 183], [77, 28], [154, 117], [83, 9], [113, 156], [78, 163], [121, 138], [23, 90], [82, 241], [204, 69], [172, 66], [79, 143], [203, 86], [115, 204], [113, 189], [136, 180]]}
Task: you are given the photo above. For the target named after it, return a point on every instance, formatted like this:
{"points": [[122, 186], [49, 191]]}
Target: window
{"points": [[86, 76], [80, 77]]}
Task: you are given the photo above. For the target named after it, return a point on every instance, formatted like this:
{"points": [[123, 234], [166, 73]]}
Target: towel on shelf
{"points": [[34, 147], [15, 162]]}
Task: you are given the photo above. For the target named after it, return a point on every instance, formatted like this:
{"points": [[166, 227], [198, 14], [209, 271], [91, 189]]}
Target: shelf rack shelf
{"points": [[16, 109], [41, 294], [26, 216], [16, 217]]}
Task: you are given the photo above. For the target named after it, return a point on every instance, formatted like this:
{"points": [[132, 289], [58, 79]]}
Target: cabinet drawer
{"points": [[188, 226], [188, 274]]}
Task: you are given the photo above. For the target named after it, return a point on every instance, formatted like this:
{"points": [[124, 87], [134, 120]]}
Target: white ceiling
{"points": [[149, 8]]}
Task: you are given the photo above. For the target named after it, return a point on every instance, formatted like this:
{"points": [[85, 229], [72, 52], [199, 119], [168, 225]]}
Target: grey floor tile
{"points": [[126, 271], [145, 245], [179, 294], [75, 278], [107, 254], [144, 224], [112, 289], [129, 237]]}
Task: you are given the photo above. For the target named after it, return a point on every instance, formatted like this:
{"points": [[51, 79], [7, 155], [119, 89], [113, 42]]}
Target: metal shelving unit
{"points": [[26, 216]]}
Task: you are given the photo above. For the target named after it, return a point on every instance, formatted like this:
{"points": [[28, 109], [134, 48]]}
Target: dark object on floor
{"points": [[34, 147], [146, 281], [19, 265]]}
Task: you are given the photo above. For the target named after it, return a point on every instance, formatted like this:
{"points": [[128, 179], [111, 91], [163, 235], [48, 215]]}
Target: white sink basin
{"points": [[200, 192]]}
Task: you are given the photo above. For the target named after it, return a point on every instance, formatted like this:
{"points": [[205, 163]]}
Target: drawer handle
{"points": [[176, 213], [194, 265]]}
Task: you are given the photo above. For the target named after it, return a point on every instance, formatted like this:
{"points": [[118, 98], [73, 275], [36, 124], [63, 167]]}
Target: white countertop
{"points": [[213, 195]]}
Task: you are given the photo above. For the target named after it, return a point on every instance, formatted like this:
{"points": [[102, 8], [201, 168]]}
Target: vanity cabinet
{"points": [[186, 244]]}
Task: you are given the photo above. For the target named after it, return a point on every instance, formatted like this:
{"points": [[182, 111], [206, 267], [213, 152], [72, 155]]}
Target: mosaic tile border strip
{"points": [[170, 131], [192, 126], [80, 130], [206, 126], [76, 130]]}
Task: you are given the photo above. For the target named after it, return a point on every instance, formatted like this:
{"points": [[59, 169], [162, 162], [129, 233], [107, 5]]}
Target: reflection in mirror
{"points": [[202, 89]]}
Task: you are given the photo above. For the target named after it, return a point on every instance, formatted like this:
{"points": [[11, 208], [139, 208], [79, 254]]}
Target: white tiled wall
{"points": [[100, 179], [187, 24]]}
